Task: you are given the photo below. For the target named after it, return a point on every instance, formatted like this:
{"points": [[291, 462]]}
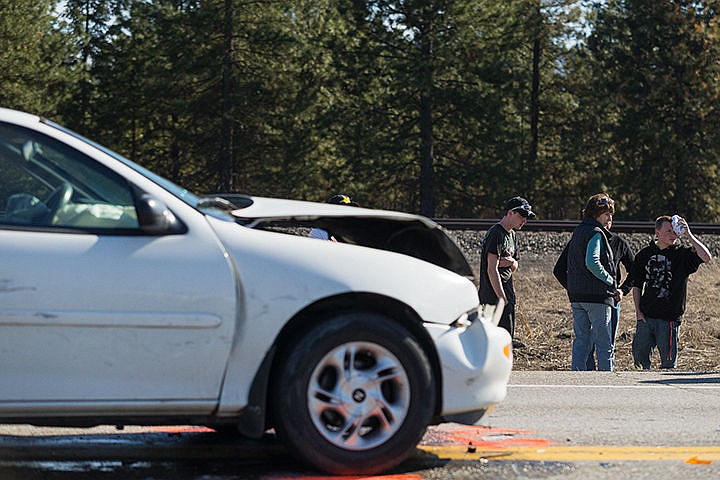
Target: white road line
{"points": [[676, 385]]}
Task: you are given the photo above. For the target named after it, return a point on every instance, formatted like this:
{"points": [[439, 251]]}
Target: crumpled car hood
{"points": [[398, 232]]}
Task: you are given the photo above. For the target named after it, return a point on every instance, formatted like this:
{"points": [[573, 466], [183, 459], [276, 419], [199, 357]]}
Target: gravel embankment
{"points": [[552, 243]]}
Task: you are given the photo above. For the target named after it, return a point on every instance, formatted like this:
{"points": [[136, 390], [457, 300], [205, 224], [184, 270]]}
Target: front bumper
{"points": [[475, 363]]}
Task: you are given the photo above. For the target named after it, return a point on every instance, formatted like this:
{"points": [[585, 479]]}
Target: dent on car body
{"points": [[397, 232], [469, 365], [409, 235]]}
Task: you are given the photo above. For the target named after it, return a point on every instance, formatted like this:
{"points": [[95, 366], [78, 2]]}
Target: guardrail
{"points": [[568, 225]]}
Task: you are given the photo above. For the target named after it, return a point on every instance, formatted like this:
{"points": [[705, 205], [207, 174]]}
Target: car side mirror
{"points": [[155, 218]]}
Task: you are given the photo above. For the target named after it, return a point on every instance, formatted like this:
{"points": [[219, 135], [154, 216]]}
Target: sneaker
{"points": [[518, 344]]}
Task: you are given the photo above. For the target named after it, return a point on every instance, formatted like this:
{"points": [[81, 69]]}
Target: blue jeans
{"points": [[592, 327], [656, 332], [614, 320]]}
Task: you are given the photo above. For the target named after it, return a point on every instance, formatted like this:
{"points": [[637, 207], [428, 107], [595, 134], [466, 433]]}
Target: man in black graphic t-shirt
{"points": [[660, 274], [499, 259]]}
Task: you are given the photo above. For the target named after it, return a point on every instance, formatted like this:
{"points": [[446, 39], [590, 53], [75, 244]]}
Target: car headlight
{"points": [[490, 312], [494, 312], [466, 319]]}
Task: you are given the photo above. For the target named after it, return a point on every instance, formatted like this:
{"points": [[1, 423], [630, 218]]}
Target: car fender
{"points": [[291, 272]]}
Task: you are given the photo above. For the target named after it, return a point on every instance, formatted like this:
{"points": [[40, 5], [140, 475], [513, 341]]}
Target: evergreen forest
{"points": [[440, 107]]}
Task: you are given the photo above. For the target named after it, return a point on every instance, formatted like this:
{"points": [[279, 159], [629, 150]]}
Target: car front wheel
{"points": [[354, 394]]}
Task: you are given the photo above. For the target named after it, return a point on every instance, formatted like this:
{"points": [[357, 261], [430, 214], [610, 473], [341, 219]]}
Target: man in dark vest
{"points": [[591, 284]]}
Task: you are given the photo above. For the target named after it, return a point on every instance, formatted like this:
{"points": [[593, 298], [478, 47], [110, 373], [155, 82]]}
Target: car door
{"points": [[91, 308]]}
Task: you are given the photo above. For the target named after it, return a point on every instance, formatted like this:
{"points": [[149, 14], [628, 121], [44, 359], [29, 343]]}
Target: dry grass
{"points": [[544, 321]]}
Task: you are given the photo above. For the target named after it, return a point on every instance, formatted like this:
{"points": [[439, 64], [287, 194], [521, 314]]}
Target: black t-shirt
{"points": [[662, 276], [502, 243], [622, 253]]}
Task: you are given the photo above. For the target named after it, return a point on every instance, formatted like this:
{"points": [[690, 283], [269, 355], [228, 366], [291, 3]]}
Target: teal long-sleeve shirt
{"points": [[592, 260]]}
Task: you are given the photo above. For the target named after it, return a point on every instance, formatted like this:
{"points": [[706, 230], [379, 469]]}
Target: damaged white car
{"points": [[125, 299]]}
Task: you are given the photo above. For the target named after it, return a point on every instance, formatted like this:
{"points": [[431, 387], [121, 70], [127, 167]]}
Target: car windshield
{"points": [[176, 190]]}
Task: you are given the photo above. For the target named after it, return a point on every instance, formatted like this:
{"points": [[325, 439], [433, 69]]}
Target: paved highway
{"points": [[633, 424], [589, 425], [653, 408]]}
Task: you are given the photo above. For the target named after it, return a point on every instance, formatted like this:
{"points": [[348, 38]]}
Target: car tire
{"points": [[354, 395]]}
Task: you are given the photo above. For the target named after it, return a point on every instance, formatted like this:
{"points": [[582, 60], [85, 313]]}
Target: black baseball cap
{"points": [[342, 200], [520, 205]]}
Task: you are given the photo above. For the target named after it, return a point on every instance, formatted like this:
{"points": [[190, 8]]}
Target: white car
{"points": [[125, 299]]}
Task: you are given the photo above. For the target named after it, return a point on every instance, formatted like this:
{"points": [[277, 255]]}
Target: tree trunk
{"points": [[530, 173], [427, 180], [226, 163]]}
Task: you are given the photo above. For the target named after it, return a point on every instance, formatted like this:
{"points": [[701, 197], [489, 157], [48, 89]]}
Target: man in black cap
{"points": [[499, 260], [338, 199], [342, 200]]}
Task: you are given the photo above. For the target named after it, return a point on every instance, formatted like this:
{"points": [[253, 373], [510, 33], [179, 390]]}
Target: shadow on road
{"points": [[685, 378]]}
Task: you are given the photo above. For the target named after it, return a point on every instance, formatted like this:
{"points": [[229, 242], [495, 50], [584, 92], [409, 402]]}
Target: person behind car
{"points": [[338, 199], [499, 260]]}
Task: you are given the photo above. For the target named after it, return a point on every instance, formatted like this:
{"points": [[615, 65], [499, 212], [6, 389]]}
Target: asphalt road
{"points": [[651, 408], [559, 425]]}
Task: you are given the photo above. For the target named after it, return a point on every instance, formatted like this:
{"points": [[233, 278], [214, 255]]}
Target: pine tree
{"points": [[657, 89], [33, 75]]}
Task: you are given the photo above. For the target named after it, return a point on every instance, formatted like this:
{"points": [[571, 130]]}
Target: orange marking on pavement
{"points": [[696, 461], [487, 437], [482, 430], [181, 429], [501, 443], [402, 476]]}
